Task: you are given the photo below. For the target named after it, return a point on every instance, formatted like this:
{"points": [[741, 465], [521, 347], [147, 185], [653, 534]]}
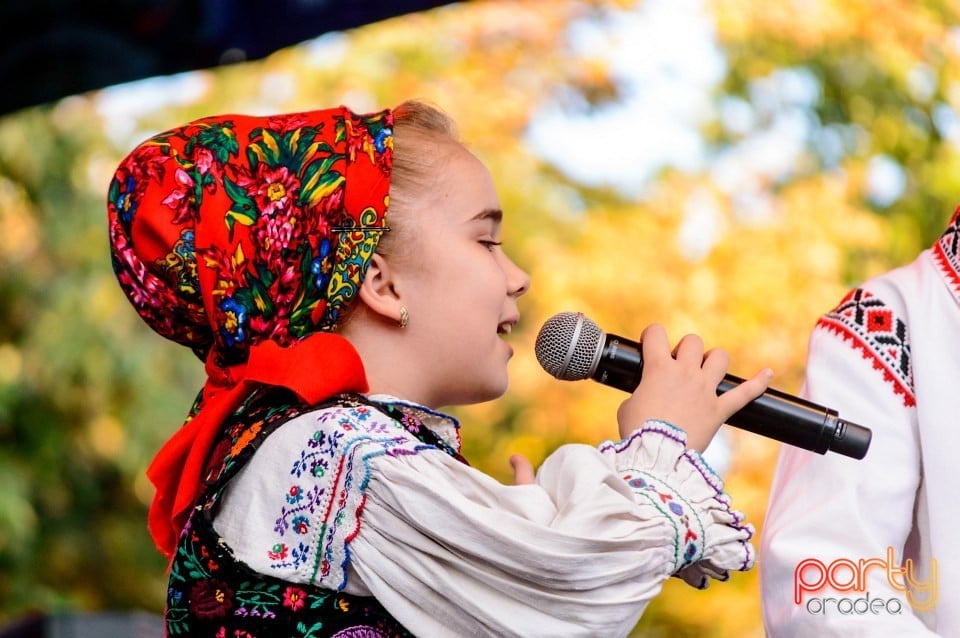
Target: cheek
{"points": [[457, 283]]}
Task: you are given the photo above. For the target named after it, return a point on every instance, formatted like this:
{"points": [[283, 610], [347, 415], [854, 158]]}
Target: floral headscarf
{"points": [[246, 239]]}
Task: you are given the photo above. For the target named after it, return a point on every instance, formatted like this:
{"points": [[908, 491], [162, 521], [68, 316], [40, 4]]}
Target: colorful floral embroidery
{"points": [[651, 486], [347, 439], [688, 528], [211, 593]]}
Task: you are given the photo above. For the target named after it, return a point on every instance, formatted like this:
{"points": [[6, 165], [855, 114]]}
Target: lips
{"points": [[506, 327]]}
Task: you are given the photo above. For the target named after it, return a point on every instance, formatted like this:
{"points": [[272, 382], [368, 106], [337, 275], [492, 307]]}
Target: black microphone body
{"points": [[570, 347]]}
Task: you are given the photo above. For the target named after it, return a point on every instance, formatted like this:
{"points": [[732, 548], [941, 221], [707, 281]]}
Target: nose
{"points": [[518, 281]]}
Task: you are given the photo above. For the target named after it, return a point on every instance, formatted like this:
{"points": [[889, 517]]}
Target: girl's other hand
{"points": [[680, 387], [523, 473]]}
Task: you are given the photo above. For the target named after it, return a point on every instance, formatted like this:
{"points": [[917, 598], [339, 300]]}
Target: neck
{"points": [[387, 359]]}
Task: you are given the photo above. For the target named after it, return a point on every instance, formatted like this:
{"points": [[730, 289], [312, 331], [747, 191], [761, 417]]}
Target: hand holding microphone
{"points": [[571, 347], [680, 387]]}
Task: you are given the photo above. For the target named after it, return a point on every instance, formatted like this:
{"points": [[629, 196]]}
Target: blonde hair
{"points": [[419, 131]]}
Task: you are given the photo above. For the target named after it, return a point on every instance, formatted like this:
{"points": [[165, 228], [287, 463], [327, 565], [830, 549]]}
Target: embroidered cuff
{"points": [[710, 538]]}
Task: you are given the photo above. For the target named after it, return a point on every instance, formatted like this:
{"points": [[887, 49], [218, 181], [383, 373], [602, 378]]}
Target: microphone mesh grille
{"points": [[567, 346]]}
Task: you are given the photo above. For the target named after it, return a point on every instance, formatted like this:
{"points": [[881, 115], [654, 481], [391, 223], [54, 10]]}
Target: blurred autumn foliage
{"points": [[828, 153]]}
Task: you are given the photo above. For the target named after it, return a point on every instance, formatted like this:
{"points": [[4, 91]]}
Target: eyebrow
{"points": [[493, 214]]}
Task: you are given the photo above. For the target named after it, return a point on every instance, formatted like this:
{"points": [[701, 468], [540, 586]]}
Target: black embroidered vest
{"points": [[213, 594]]}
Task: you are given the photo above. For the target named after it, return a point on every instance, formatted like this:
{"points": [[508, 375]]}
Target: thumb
{"points": [[522, 470]]}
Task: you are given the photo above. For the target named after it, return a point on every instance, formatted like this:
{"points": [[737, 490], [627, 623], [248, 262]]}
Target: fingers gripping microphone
{"points": [[571, 347]]}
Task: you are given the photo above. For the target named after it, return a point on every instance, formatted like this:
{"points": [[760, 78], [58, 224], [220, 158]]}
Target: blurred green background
{"points": [[725, 167]]}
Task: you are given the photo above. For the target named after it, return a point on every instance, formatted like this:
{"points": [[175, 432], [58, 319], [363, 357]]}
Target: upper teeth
{"points": [[505, 328]]}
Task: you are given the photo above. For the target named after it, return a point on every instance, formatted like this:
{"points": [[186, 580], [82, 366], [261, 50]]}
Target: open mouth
{"points": [[505, 328]]}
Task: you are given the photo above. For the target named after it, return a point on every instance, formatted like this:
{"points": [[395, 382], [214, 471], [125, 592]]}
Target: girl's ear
{"points": [[378, 290]]}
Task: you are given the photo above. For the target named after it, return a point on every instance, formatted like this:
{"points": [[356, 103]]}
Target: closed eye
{"points": [[490, 244]]}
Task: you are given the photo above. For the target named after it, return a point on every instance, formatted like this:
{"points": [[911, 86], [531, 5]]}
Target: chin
{"points": [[495, 391], [481, 392]]}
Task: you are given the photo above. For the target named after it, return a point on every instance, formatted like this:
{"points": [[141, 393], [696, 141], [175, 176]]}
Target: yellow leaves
{"points": [[257, 150], [270, 141], [689, 256], [898, 30], [11, 363], [807, 23], [19, 235], [238, 258], [321, 185], [106, 436]]}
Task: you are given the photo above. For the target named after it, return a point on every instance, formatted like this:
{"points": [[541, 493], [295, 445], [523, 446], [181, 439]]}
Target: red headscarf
{"points": [[245, 239]]}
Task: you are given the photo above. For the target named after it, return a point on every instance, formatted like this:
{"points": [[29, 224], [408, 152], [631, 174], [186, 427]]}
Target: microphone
{"points": [[571, 347]]}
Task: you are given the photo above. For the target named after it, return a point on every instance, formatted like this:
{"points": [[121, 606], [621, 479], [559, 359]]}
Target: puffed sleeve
{"points": [[711, 538], [450, 551]]}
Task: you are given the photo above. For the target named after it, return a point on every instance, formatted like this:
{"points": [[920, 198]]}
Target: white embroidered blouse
{"points": [[868, 547], [346, 498]]}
